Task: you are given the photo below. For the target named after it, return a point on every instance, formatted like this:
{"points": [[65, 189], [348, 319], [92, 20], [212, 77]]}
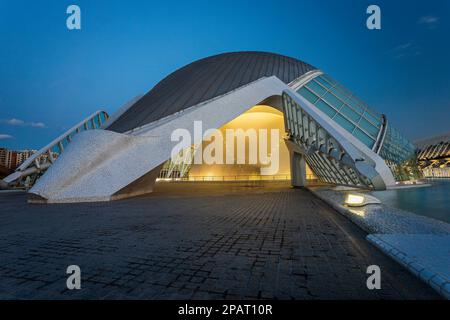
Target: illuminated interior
{"points": [[258, 117]]}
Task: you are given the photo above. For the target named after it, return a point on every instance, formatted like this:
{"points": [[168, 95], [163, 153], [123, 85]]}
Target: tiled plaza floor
{"points": [[193, 241]]}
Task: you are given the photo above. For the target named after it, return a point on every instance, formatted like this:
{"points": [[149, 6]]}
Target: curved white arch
{"points": [[101, 165]]}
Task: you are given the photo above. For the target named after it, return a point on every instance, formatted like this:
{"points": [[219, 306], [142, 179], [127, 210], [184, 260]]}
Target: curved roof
{"points": [[425, 143], [205, 79]]}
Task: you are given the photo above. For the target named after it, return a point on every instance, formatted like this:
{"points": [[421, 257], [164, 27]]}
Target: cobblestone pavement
{"points": [[193, 241]]}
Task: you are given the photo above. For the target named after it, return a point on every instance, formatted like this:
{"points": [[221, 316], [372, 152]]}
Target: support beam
{"points": [[298, 163], [298, 170]]}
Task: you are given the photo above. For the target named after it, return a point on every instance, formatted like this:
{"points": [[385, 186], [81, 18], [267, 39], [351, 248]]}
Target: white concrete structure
{"points": [[40, 161], [101, 165], [124, 158]]}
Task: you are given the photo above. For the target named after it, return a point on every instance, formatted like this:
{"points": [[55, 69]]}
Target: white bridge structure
{"points": [[32, 168], [330, 130]]}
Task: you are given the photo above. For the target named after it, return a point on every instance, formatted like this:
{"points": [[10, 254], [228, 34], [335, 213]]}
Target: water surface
{"points": [[433, 202]]}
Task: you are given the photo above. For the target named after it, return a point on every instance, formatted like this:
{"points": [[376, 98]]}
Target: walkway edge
{"points": [[431, 278], [424, 273], [342, 210]]}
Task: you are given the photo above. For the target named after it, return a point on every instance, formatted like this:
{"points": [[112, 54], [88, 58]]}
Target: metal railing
{"points": [[281, 177], [436, 172], [32, 168]]}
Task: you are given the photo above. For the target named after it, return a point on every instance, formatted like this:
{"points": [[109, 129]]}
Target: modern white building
{"points": [[327, 129], [434, 156]]}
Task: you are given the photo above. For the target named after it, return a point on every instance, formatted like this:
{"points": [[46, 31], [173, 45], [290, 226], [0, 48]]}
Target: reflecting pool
{"points": [[433, 202]]}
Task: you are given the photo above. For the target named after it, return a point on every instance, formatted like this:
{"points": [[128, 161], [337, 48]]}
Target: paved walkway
{"points": [[200, 241], [419, 243]]}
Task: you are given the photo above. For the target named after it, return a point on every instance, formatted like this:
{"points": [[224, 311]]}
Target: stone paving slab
{"points": [[420, 244], [194, 241], [382, 219], [426, 255]]}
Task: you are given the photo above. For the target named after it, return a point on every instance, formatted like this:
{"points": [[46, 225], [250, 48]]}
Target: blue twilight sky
{"points": [[51, 78]]}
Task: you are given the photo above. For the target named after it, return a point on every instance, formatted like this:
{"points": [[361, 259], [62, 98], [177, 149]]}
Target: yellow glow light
{"points": [[354, 200]]}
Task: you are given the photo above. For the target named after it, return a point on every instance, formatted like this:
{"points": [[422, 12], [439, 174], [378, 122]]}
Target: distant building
{"points": [[434, 156], [11, 159], [3, 156]]}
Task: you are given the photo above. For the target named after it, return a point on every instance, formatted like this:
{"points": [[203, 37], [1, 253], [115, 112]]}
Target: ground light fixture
{"points": [[360, 200]]}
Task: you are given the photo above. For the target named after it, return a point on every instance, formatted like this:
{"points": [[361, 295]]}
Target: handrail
{"points": [[65, 135], [255, 177]]}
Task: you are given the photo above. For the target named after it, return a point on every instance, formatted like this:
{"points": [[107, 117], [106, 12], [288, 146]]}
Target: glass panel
{"points": [[368, 127], [317, 88], [355, 106], [352, 115], [331, 99], [329, 79], [364, 138], [373, 113], [323, 82], [346, 110], [347, 125], [339, 93], [344, 90], [372, 119], [324, 107], [308, 95]]}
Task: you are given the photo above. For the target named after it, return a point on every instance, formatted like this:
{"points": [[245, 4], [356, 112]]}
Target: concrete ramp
{"points": [[97, 166]]}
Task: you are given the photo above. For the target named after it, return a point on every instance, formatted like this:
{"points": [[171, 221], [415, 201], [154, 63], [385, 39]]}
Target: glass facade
{"points": [[363, 123], [325, 152], [400, 155], [343, 107]]}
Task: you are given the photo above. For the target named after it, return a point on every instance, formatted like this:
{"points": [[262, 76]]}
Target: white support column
{"points": [[298, 169]]}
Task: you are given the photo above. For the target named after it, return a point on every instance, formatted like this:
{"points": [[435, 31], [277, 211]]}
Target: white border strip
{"points": [[433, 279]]}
